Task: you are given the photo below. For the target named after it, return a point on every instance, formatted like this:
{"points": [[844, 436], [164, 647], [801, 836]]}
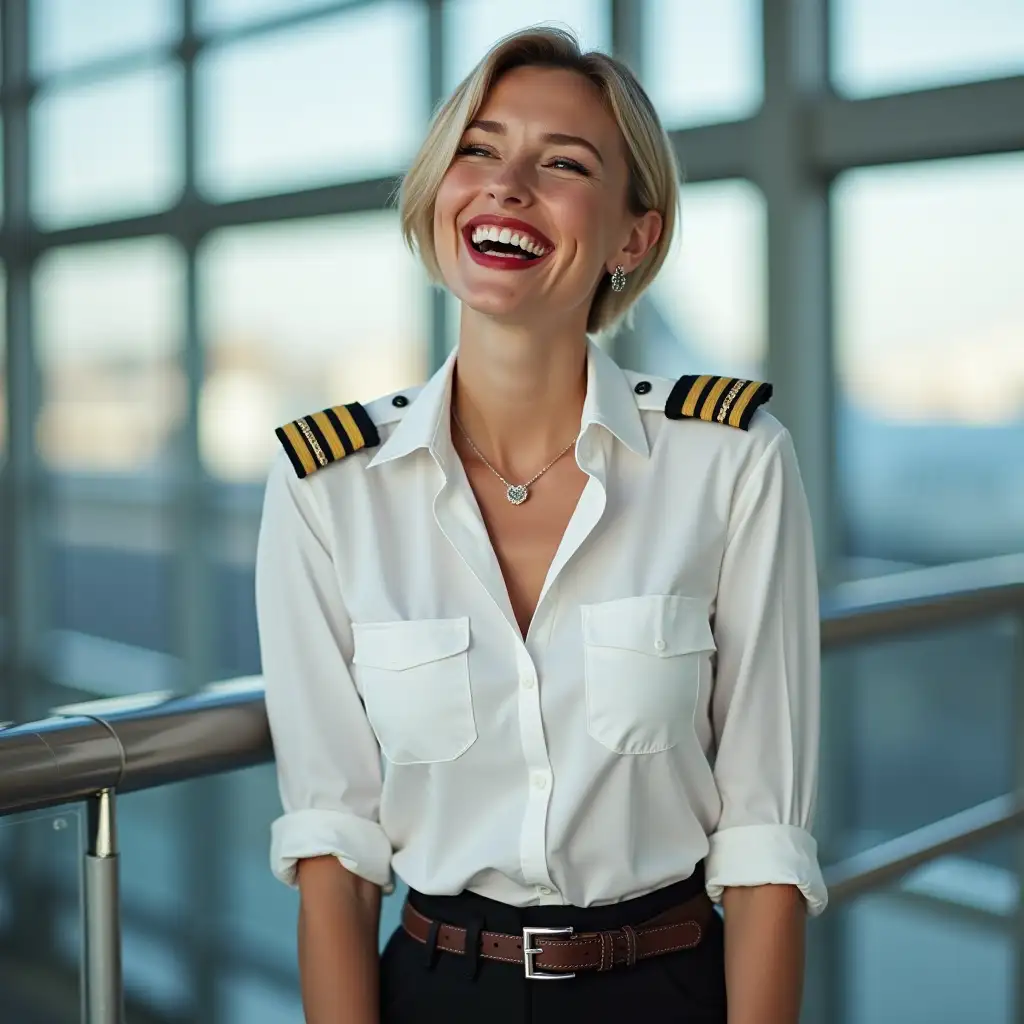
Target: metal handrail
{"points": [[890, 861], [137, 744]]}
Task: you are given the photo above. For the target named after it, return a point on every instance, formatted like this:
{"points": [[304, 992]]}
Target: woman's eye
{"points": [[471, 150], [563, 164]]}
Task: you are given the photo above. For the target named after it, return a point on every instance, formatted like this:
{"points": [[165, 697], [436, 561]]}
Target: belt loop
{"points": [[472, 950], [430, 956], [630, 932]]}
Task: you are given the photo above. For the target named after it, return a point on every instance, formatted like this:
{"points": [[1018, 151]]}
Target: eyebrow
{"points": [[558, 138]]}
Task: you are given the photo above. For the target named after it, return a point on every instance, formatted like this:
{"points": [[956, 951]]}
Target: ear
{"points": [[643, 236]]}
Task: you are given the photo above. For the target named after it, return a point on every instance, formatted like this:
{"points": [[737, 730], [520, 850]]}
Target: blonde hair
{"points": [[653, 173]]}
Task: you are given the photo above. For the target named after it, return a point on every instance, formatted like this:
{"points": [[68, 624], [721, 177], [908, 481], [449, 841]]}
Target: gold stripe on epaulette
{"points": [[314, 441], [731, 400]]}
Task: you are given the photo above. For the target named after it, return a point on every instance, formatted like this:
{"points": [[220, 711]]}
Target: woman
{"points": [[591, 678]]}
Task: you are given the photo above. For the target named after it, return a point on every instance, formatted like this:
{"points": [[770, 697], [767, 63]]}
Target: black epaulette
{"points": [[315, 441], [730, 400]]}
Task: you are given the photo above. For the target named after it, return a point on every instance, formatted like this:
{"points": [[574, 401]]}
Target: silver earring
{"points": [[619, 279]]}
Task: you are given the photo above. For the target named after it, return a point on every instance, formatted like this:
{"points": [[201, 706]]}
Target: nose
{"points": [[510, 185]]}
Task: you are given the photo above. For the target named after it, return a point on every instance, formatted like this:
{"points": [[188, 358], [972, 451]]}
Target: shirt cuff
{"points": [[766, 855], [360, 845]]}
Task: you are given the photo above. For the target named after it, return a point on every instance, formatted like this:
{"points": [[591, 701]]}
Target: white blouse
{"points": [[663, 708]]}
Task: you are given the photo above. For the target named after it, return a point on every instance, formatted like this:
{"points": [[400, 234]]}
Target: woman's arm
{"points": [[764, 953], [339, 917], [763, 859], [329, 842]]}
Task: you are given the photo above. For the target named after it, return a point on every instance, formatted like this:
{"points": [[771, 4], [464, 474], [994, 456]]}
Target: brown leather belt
{"points": [[558, 952]]}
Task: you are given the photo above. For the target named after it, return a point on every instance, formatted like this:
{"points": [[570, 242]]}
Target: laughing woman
{"points": [[541, 637]]}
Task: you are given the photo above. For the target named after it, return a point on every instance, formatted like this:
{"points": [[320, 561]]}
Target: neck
{"points": [[519, 393]]}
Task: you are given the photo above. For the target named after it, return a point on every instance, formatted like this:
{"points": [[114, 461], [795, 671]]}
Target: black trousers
{"points": [[686, 986]]}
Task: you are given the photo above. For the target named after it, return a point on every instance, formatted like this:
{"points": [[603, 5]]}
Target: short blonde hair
{"points": [[653, 172]]}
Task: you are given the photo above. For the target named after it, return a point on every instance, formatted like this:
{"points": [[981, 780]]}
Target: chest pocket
{"points": [[414, 677], [644, 660]]}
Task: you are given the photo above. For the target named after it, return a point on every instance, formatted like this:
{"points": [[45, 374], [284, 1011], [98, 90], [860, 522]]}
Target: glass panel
{"points": [[220, 15], [473, 26], [68, 33], [106, 150], [155, 836], [883, 46], [930, 360], [109, 324], [706, 312], [937, 948], [299, 316], [907, 742], [702, 62], [40, 916], [287, 109]]}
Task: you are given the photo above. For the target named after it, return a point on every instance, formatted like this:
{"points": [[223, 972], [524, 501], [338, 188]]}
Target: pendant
{"points": [[517, 493]]}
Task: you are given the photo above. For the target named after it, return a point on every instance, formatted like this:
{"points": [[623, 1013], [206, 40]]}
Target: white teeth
{"points": [[492, 233]]}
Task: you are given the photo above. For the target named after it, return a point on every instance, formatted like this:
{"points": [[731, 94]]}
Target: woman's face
{"points": [[532, 211]]}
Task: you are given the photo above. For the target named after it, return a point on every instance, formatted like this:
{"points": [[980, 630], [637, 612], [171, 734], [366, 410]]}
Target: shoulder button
{"points": [[642, 387], [399, 401]]}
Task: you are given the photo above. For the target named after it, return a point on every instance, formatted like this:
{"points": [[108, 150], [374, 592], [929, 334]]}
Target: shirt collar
{"points": [[609, 403]]}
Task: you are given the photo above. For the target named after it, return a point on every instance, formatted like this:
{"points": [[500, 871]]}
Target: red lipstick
{"points": [[495, 262]]}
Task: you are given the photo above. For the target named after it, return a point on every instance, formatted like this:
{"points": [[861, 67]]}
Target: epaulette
{"points": [[315, 441], [730, 400]]}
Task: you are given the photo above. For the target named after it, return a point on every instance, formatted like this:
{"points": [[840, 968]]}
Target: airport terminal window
{"points": [[299, 316], [109, 333], [930, 359], [472, 26], [706, 310], [881, 46], [702, 62], [67, 34], [225, 15], [290, 109], [107, 149]]}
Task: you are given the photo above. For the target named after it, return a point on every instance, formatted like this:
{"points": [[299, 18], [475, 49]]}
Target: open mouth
{"points": [[504, 243]]}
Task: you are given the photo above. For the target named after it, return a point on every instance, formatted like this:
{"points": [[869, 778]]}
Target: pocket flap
{"points": [[660, 625], [401, 645]]}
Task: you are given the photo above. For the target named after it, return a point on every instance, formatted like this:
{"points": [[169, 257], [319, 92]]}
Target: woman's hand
{"points": [[339, 919], [764, 953]]}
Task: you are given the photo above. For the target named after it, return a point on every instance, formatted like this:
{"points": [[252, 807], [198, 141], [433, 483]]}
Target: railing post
{"points": [[103, 994]]}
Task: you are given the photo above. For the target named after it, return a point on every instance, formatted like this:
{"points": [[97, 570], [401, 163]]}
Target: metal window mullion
{"points": [[799, 362], [438, 302], [202, 808]]}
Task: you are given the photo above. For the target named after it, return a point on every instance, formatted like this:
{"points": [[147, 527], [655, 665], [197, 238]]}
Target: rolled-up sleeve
{"points": [[328, 760], [767, 684]]}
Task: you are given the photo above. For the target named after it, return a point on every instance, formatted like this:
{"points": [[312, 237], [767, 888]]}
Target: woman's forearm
{"points": [[339, 918], [764, 953]]}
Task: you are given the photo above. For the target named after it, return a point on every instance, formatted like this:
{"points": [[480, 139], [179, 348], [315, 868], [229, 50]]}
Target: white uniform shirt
{"points": [[662, 709]]}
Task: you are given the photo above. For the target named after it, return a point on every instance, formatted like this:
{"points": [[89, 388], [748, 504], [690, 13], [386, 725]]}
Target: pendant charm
{"points": [[517, 493]]}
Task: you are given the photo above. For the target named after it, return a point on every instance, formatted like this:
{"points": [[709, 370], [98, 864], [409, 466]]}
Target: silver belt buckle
{"points": [[529, 951]]}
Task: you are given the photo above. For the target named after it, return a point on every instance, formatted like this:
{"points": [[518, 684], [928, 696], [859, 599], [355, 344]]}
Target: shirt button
{"points": [[659, 645], [527, 682], [543, 890], [540, 780], [399, 401], [642, 387]]}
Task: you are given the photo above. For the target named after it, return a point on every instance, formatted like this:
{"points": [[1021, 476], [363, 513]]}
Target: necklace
{"points": [[516, 493]]}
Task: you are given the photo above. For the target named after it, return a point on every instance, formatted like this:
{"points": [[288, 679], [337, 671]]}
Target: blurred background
{"points": [[198, 242]]}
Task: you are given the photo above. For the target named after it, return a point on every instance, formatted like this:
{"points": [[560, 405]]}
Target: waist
{"points": [[466, 907]]}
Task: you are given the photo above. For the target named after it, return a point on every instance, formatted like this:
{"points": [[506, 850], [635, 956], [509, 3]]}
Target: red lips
{"points": [[494, 262]]}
